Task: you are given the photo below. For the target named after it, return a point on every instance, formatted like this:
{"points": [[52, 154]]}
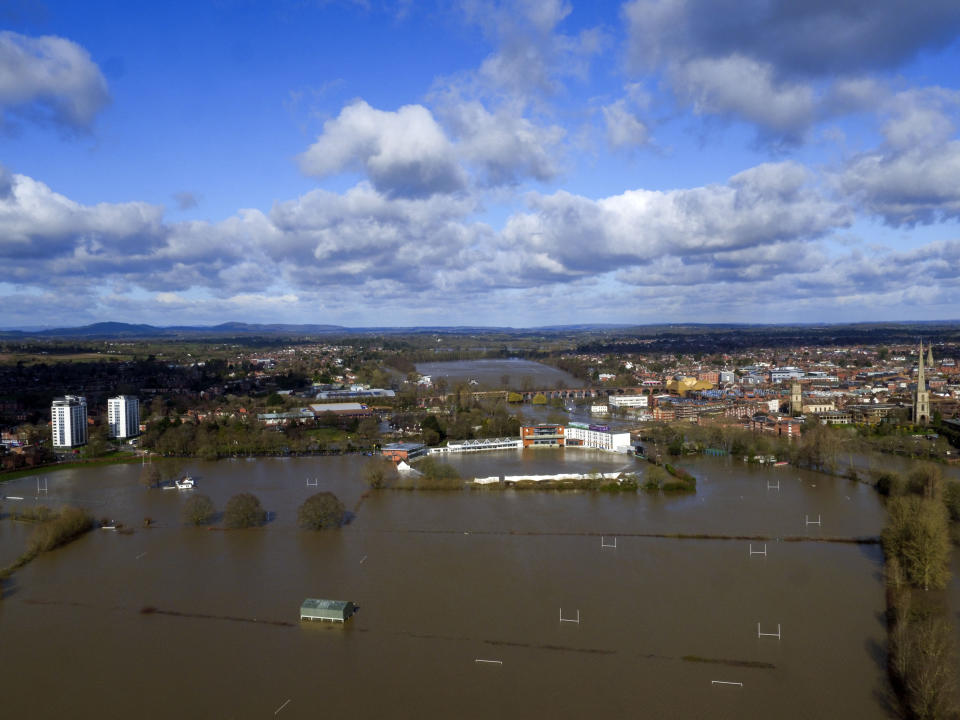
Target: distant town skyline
{"points": [[480, 163]]}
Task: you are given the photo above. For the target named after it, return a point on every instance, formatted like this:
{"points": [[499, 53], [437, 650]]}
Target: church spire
{"points": [[921, 402], [921, 380], [930, 356]]}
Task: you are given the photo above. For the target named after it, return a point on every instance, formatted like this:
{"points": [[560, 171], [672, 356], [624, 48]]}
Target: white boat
{"points": [[185, 483]]}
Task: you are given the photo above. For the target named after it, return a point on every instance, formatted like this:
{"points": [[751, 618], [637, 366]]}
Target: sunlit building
{"points": [[123, 416], [68, 421]]}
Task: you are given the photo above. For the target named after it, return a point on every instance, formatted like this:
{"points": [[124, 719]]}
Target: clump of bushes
{"points": [[244, 511], [669, 479], [434, 475], [69, 524], [39, 514], [199, 510], [320, 511], [56, 530], [624, 483]]}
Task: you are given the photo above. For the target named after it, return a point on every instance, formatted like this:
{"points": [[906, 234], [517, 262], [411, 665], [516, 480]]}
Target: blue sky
{"points": [[495, 163]]}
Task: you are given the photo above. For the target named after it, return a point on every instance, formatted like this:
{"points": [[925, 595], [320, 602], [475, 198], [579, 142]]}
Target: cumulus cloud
{"points": [[770, 203], [764, 230], [798, 39], [780, 66], [49, 78], [37, 222], [742, 87], [404, 153], [503, 146], [914, 176]]}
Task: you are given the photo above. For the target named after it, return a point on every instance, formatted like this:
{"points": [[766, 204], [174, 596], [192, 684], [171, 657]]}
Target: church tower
{"points": [[930, 356], [796, 399], [921, 404]]}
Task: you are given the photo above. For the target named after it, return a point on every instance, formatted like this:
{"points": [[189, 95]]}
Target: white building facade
{"points": [[628, 400], [68, 421], [123, 415], [592, 437]]}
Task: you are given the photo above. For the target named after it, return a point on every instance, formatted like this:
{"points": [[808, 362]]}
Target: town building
{"points": [[123, 416], [68, 421], [779, 374], [546, 435], [835, 417], [620, 401], [344, 410], [403, 451], [873, 413], [818, 407], [599, 410], [480, 445], [597, 436]]}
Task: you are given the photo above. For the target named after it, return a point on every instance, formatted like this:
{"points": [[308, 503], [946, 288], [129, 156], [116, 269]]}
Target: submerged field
{"points": [[444, 580]]}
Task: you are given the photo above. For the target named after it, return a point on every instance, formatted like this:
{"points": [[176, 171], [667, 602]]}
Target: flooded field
{"points": [[445, 580], [517, 373]]}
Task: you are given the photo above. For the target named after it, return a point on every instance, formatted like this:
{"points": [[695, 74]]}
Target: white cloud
{"points": [[781, 66], [51, 78], [770, 203], [624, 129], [742, 87], [404, 153], [914, 177], [503, 146]]}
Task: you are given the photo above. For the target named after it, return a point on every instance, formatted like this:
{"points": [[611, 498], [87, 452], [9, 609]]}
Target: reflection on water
{"points": [[225, 642]]}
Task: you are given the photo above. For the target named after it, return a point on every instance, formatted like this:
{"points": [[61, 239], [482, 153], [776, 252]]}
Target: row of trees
{"points": [[819, 447], [320, 511], [916, 545], [225, 438]]}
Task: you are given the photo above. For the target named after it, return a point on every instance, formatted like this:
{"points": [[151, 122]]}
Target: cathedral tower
{"points": [[796, 399]]}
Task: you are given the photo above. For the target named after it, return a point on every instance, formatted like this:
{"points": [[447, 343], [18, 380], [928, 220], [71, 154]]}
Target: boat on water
{"points": [[185, 483]]}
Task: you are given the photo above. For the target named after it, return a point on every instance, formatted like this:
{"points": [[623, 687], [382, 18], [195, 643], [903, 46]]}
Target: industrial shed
{"points": [[330, 610]]}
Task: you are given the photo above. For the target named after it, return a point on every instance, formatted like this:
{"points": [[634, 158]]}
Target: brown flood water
{"points": [[73, 642]]}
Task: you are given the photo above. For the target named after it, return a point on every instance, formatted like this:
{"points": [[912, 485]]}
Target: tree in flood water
{"points": [[917, 535], [378, 472], [150, 476], [198, 510], [243, 511], [320, 511]]}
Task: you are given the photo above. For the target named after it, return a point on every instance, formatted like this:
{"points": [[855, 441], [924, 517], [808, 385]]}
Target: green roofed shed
{"points": [[331, 610]]}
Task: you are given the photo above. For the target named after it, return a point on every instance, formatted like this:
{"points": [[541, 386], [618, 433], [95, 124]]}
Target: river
{"points": [[520, 374], [444, 580]]}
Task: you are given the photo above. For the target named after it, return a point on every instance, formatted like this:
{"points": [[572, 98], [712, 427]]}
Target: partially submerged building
{"points": [[545, 435], [597, 436], [328, 610], [405, 451]]}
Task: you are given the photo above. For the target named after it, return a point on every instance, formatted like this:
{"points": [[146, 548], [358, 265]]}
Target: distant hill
{"points": [[108, 330], [590, 336]]}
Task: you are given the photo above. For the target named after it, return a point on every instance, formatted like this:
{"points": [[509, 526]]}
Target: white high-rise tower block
{"points": [[68, 421], [123, 415]]}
